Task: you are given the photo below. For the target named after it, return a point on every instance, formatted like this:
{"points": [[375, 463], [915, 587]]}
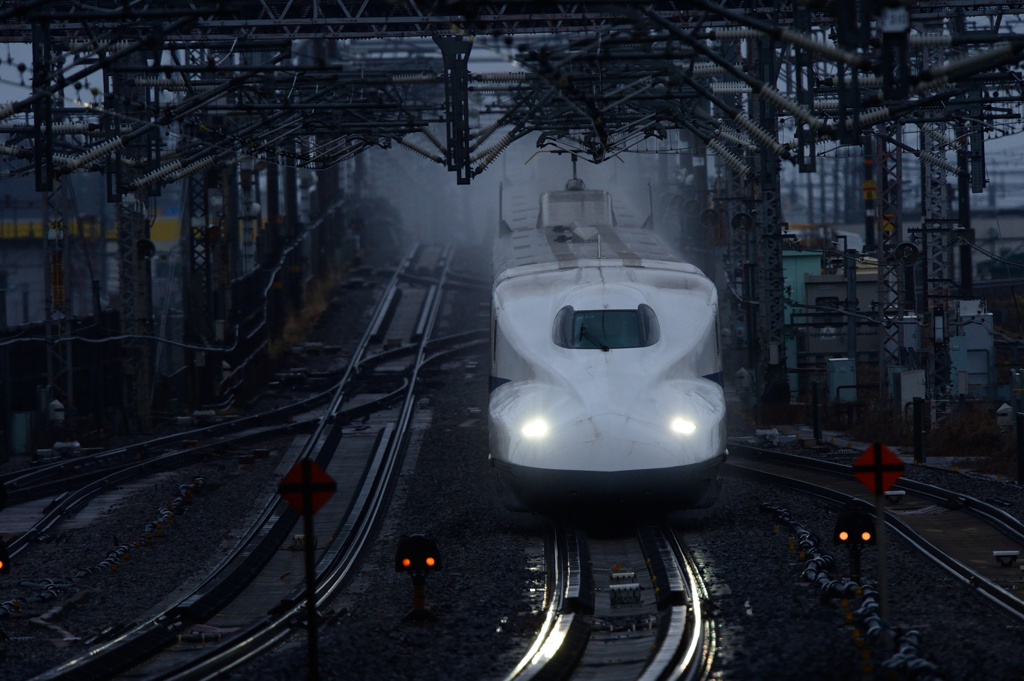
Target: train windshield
{"points": [[606, 329]]}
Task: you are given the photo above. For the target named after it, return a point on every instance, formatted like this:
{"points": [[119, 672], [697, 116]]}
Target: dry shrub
{"points": [[883, 425], [972, 433], [298, 326]]}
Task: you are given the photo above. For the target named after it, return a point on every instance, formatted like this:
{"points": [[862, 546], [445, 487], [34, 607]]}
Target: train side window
{"points": [[650, 329], [561, 330]]}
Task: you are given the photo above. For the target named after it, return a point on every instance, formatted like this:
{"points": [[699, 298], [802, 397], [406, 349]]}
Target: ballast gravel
{"points": [[773, 624], [193, 543], [481, 597]]}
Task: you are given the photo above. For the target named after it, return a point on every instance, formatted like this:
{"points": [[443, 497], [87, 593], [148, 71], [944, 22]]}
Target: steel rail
{"points": [[53, 479], [995, 593], [686, 639], [549, 657], [704, 638], [81, 496], [253, 551], [993, 515], [337, 564]]}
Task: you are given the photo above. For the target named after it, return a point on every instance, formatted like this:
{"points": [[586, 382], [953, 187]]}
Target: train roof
{"points": [[536, 244]]}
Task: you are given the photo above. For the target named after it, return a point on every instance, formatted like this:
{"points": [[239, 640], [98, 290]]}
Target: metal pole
{"points": [[919, 454], [310, 551], [1020, 446], [816, 407], [883, 582], [868, 187], [963, 195], [850, 267], [855, 562]]}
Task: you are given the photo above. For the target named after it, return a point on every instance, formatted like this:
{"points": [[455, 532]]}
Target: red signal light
{"points": [[406, 562], [430, 561]]}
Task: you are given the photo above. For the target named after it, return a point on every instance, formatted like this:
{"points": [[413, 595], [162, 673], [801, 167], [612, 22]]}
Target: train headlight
{"points": [[681, 425], [535, 429]]}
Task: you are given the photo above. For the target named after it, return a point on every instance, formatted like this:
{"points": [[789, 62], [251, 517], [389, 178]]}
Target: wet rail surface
{"points": [[620, 608]]}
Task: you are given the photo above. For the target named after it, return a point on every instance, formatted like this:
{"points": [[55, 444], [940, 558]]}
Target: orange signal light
{"points": [[843, 536], [430, 561], [1, 565], [406, 562], [866, 536]]}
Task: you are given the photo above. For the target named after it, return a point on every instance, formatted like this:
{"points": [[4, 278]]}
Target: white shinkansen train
{"points": [[605, 365]]}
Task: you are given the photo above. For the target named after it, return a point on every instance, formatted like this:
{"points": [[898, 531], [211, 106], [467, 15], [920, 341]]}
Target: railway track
{"points": [[252, 598], [620, 608], [957, 531]]}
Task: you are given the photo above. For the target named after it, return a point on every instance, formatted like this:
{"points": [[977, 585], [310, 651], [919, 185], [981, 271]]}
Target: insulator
{"points": [[826, 105], [734, 33], [484, 134], [789, 105], [173, 84], [729, 158], [703, 68], [941, 137], [938, 162], [507, 77], [156, 175], [95, 153], [6, 150], [759, 134], [931, 84], [727, 135], [864, 80], [1001, 50], [421, 151], [192, 168], [930, 40], [490, 154], [871, 117], [808, 43], [433, 140], [71, 128], [875, 116], [730, 88], [6, 110], [412, 78]]}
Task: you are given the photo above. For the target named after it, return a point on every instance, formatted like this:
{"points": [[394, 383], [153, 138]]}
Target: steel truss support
{"points": [[134, 251], [198, 294], [58, 297], [734, 201], [803, 72], [771, 311], [136, 309], [456, 103], [890, 222], [58, 300], [936, 229]]}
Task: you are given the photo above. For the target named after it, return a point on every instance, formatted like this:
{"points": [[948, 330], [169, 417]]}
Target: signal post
{"points": [[878, 468]]}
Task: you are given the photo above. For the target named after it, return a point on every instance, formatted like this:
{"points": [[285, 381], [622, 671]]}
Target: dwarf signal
{"points": [[418, 555], [855, 527]]}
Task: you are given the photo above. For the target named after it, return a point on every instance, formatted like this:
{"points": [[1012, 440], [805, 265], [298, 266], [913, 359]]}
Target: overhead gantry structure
{"points": [[214, 92]]}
